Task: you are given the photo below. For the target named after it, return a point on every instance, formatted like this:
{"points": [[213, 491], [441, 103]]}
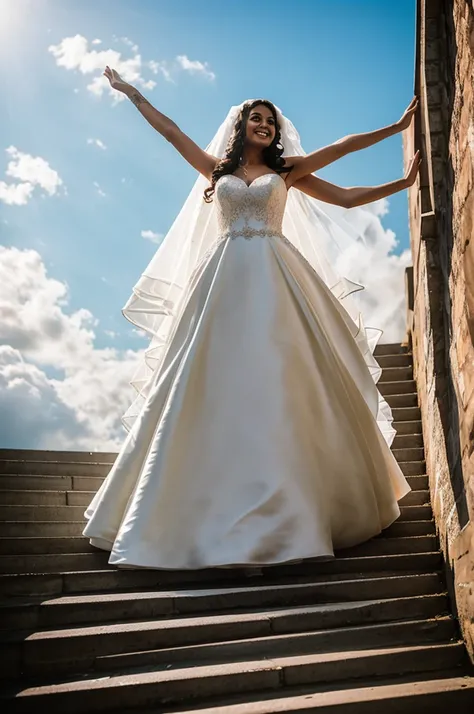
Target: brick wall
{"points": [[441, 208]]}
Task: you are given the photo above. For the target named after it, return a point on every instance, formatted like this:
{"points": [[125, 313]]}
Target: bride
{"points": [[258, 435]]}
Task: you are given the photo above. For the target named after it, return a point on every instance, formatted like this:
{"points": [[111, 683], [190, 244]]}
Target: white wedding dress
{"points": [[258, 442]]}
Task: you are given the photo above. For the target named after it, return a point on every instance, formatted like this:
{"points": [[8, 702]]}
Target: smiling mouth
{"points": [[264, 134]]}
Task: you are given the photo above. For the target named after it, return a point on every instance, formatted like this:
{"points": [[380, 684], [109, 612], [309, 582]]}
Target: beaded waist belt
{"points": [[248, 232]]}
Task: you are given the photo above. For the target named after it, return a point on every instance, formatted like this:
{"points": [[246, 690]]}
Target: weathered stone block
{"points": [[432, 72], [433, 92], [438, 144], [432, 30], [443, 310], [436, 121]]}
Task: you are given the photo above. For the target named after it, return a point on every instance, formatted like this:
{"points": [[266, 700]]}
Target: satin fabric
{"points": [[258, 442]]}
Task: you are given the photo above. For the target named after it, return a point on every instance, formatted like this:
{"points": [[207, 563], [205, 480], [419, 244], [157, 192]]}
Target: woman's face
{"points": [[261, 127]]}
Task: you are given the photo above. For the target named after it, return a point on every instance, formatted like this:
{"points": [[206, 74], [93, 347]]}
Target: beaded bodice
{"points": [[251, 210]]}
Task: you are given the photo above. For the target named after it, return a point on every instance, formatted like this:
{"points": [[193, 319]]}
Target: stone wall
{"points": [[441, 316]]}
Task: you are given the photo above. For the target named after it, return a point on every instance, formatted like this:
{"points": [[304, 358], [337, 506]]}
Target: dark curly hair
{"points": [[272, 154]]}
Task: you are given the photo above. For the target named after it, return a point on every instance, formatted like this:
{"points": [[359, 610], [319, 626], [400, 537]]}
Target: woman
{"points": [[258, 435]]}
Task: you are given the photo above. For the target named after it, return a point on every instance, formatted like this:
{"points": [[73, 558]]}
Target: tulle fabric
{"points": [[322, 234]]}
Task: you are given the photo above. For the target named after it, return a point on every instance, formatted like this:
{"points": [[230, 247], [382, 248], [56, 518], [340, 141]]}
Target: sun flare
{"points": [[13, 16]]}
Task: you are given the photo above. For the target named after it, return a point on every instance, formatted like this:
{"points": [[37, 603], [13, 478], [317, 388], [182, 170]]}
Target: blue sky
{"points": [[334, 67]]}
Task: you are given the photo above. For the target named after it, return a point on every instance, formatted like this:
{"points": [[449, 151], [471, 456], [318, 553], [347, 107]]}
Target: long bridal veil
{"points": [[323, 234]]}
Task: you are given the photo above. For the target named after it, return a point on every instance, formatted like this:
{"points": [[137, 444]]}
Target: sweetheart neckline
{"points": [[249, 185]]}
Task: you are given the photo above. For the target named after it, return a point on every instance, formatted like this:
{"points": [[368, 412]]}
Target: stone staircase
{"points": [[372, 629]]}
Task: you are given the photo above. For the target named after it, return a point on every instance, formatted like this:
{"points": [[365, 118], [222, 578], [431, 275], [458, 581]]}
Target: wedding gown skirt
{"points": [[258, 442]]}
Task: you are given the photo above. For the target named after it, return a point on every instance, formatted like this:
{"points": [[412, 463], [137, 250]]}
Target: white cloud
{"points": [[15, 194], [140, 333], [379, 207], [74, 53], [81, 408], [152, 236], [96, 42], [160, 68], [97, 142], [99, 190], [37, 417], [195, 67], [381, 271], [149, 84], [130, 43], [31, 172]]}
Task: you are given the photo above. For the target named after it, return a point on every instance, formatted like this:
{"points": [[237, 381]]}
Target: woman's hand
{"points": [[412, 170], [306, 165], [116, 81], [407, 116]]}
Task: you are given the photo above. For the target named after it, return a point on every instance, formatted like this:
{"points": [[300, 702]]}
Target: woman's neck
{"points": [[252, 156]]}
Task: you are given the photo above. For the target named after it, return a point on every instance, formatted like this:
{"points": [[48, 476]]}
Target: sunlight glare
{"points": [[13, 14]]}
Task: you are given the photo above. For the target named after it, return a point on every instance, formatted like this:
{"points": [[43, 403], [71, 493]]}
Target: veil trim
{"points": [[321, 234]]}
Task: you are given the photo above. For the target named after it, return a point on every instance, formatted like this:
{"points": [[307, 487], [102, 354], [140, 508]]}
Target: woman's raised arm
{"points": [[357, 195], [194, 155], [304, 165]]}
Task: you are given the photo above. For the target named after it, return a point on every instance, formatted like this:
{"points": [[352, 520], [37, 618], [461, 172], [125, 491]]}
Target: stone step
{"points": [[75, 562], [39, 482], [76, 513], [396, 375], [408, 632], [217, 680], [42, 529], [402, 414], [31, 468], [83, 498], [21, 529], [68, 456], [26, 497], [408, 427], [353, 586], [402, 400], [53, 573], [388, 387], [416, 454], [407, 441], [82, 484], [157, 641], [390, 348], [393, 546], [395, 360], [37, 545], [78, 468], [418, 483], [41, 513], [416, 498], [76, 544], [60, 612], [420, 693], [413, 468], [56, 468], [401, 529]]}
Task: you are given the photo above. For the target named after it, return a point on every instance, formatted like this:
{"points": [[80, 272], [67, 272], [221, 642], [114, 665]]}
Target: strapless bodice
{"points": [[251, 210]]}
